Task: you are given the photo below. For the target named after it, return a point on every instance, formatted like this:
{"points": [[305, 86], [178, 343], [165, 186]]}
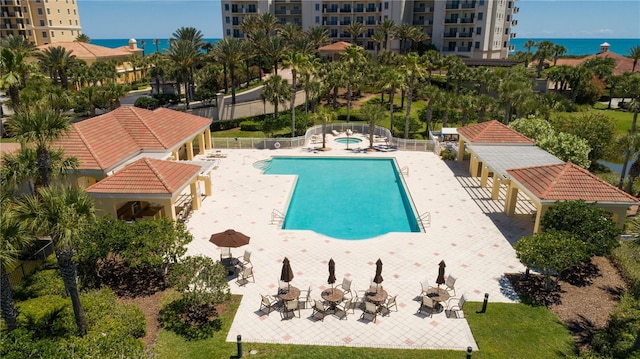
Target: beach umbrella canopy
{"points": [[229, 238], [440, 279], [287, 274], [378, 277], [332, 272]]}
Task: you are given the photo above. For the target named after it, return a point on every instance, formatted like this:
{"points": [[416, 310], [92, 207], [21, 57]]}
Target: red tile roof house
{"points": [[123, 161], [513, 160]]}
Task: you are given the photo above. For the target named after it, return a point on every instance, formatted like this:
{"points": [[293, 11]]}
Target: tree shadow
{"points": [[532, 291], [583, 331], [134, 282], [581, 276]]}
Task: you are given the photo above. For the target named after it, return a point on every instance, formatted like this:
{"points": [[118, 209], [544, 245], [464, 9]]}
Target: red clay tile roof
{"points": [[623, 63], [147, 176], [568, 181], [86, 51], [493, 132], [336, 46], [104, 141]]}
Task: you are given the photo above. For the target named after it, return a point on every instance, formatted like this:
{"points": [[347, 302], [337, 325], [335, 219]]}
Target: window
{"points": [[39, 11], [478, 30], [480, 16], [72, 33], [50, 23], [38, 1], [28, 21], [317, 19], [29, 33], [58, 11], [41, 22], [317, 7], [53, 34], [76, 22], [481, 2], [226, 8], [477, 46], [227, 20], [69, 22], [44, 34], [68, 11], [386, 5], [48, 11], [228, 32], [74, 12]]}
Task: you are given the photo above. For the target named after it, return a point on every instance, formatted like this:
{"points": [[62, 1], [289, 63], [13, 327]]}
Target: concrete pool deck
{"points": [[468, 231]]}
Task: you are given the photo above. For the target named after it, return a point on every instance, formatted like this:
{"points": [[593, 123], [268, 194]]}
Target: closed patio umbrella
{"points": [[378, 277], [440, 279], [287, 274], [332, 272]]}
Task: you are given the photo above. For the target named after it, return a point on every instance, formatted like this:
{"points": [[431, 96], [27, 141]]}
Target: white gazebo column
{"points": [[495, 189], [201, 144], [195, 198], [207, 139], [190, 150], [540, 209], [460, 150], [512, 198], [475, 165]]}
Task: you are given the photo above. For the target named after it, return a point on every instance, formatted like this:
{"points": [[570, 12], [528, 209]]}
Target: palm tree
{"points": [[268, 22], [186, 55], [22, 167], [142, 43], [135, 61], [83, 38], [514, 88], [13, 240], [190, 34], [274, 47], [318, 35], [393, 81], [13, 69], [630, 146], [309, 68], [230, 51], [373, 114], [558, 51], [634, 53], [57, 61], [579, 77], [404, 32], [156, 42], [290, 32], [112, 93], [355, 29], [325, 116], [433, 95], [352, 58], [63, 214], [528, 45], [545, 51], [296, 61], [378, 38], [414, 69], [40, 127], [18, 43], [276, 91], [387, 27]]}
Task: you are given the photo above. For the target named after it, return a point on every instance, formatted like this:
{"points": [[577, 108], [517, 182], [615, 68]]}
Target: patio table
{"points": [[291, 294], [333, 296], [376, 295], [438, 295]]}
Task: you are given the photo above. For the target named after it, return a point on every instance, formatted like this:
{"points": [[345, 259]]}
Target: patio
{"points": [[473, 239]]}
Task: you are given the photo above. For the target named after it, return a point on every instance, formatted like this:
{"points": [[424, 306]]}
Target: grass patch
{"points": [[622, 118], [505, 331]]}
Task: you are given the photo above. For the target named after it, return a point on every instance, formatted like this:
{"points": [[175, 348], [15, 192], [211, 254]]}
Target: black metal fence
{"points": [[29, 265]]}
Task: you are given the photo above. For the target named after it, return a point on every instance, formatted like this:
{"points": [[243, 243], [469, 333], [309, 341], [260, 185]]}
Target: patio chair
{"points": [[307, 302], [427, 303], [225, 252], [245, 260], [457, 306], [425, 287], [341, 309], [283, 287], [450, 282], [370, 311], [390, 303], [346, 286], [319, 308], [290, 307], [267, 305], [245, 275]]}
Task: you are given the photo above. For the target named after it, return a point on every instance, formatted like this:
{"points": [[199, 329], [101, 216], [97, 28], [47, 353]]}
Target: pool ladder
{"points": [[424, 221], [405, 170], [277, 217]]}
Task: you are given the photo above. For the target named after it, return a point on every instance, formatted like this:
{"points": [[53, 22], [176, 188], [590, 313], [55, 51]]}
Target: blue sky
{"points": [[113, 19]]}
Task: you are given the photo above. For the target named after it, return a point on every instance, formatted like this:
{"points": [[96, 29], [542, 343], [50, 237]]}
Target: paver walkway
{"points": [[467, 230]]}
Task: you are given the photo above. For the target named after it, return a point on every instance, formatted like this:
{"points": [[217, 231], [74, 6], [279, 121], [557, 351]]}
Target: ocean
{"points": [[584, 46], [149, 47]]}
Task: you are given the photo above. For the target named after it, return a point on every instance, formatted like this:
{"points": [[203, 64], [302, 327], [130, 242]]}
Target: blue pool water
{"points": [[349, 140], [346, 198]]}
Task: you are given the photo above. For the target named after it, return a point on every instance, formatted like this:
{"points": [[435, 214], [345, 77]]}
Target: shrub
{"points": [[105, 315], [448, 155], [167, 98], [250, 126], [617, 339], [226, 124], [627, 259], [46, 316], [43, 282], [147, 102], [189, 321]]}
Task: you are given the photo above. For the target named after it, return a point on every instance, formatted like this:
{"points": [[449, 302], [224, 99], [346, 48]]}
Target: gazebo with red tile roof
{"points": [[333, 51], [545, 185], [488, 133], [149, 188]]}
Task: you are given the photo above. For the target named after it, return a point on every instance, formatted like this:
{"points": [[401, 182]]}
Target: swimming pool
{"points": [[349, 140], [346, 198]]}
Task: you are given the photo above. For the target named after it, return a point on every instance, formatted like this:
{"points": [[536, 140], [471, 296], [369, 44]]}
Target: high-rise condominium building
{"points": [[40, 21], [468, 28]]}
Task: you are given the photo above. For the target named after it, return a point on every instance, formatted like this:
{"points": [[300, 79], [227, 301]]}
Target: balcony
{"points": [[419, 22], [450, 34], [512, 48], [359, 9], [467, 20], [345, 22], [370, 22], [514, 22], [513, 35], [252, 10], [453, 6], [471, 5], [463, 48], [281, 12], [345, 9], [371, 9], [516, 10], [330, 23], [331, 10], [465, 34], [451, 20], [295, 12]]}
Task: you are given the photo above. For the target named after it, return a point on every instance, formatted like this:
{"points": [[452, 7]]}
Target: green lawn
{"points": [[623, 118], [505, 331]]}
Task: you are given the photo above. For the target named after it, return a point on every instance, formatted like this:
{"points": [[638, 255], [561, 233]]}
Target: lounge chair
{"points": [[335, 133], [349, 132], [456, 308], [290, 307], [245, 275], [267, 305], [319, 308], [225, 252], [370, 311], [341, 310], [245, 260], [390, 303], [346, 287], [450, 282], [427, 303]]}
